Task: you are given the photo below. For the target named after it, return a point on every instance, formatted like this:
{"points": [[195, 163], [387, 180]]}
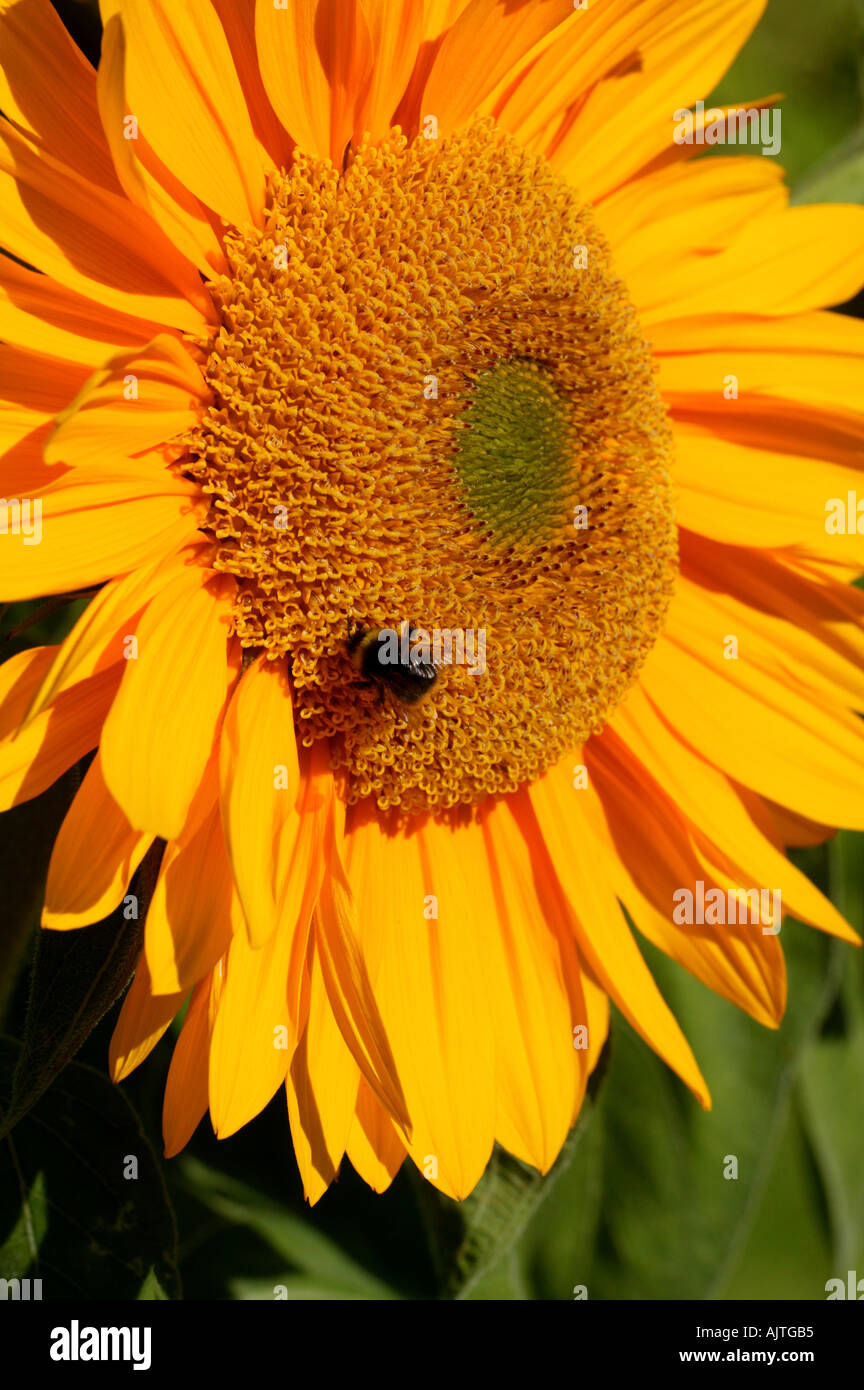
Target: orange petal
{"points": [[237, 18], [395, 29], [48, 88], [94, 857], [185, 1103], [37, 384], [63, 733], [145, 179], [374, 1147], [486, 42], [38, 314], [143, 1019]]}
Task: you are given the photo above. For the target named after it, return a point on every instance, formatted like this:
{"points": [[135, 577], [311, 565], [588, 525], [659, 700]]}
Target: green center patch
{"points": [[516, 453]]}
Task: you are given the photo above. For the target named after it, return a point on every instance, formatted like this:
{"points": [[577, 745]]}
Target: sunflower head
{"points": [[326, 326], [424, 410]]}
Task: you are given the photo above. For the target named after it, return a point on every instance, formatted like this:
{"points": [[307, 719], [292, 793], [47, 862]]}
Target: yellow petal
{"points": [[260, 781], [182, 86], [628, 119], [20, 676], [428, 975], [747, 718], [253, 1034], [657, 857], [189, 921], [698, 207], [718, 814], [159, 734], [137, 400], [347, 982], [537, 999], [316, 62], [100, 636], [815, 358], [577, 837], [592, 44], [92, 531], [302, 837], [740, 495], [785, 262], [321, 1089], [92, 241]]}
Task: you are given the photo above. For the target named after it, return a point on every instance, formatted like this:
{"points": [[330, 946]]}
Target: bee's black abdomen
{"points": [[409, 680]]}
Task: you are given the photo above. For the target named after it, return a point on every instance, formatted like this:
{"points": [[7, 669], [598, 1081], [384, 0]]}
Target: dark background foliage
{"points": [[637, 1206]]}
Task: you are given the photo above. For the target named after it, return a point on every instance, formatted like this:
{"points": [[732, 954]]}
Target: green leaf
{"points": [[832, 1074], [497, 1214], [78, 975], [811, 54], [787, 1252], [839, 178], [673, 1224], [298, 1257], [557, 1249], [69, 1214], [490, 1245], [151, 1290]]}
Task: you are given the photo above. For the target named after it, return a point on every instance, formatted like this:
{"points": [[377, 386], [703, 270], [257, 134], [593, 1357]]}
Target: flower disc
{"points": [[433, 406]]}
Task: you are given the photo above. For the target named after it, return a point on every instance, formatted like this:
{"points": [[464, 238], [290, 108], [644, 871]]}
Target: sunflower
{"points": [[330, 320]]}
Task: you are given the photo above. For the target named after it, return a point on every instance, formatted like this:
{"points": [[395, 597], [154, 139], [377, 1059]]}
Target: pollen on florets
{"points": [[426, 371]]}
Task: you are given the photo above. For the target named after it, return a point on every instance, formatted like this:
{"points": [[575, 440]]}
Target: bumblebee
{"points": [[390, 657]]}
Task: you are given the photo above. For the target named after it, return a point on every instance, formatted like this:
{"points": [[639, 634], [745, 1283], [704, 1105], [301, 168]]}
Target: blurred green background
{"points": [[638, 1206]]}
